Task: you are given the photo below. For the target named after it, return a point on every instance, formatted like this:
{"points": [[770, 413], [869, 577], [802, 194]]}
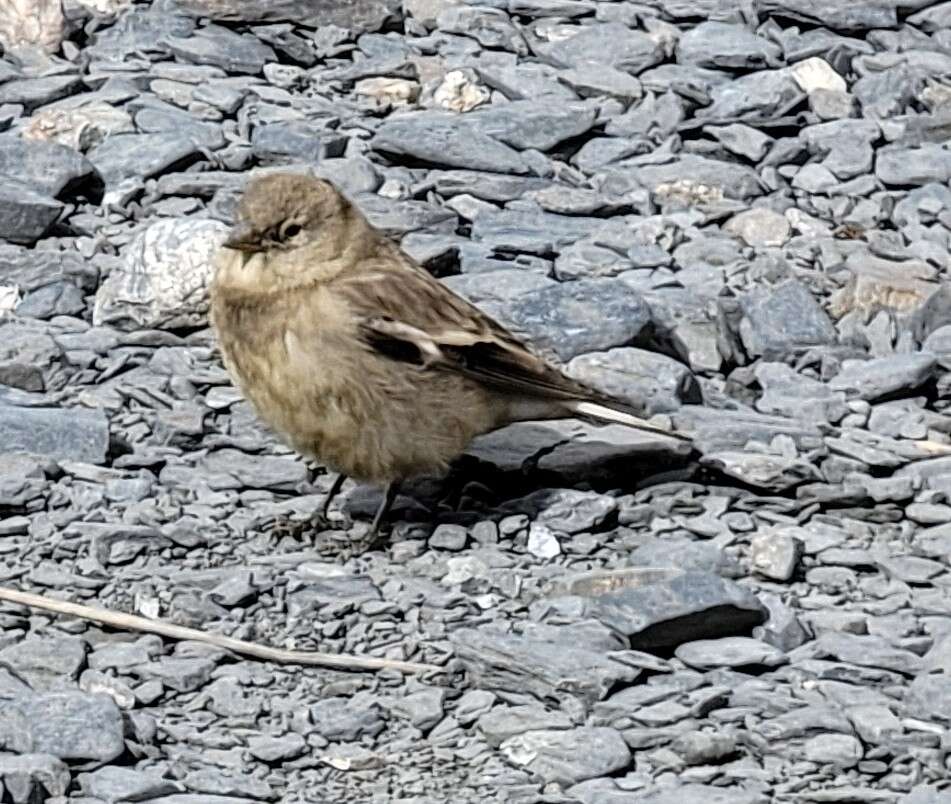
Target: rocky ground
{"points": [[735, 214]]}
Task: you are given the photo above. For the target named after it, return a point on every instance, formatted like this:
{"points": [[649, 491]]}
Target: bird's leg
{"points": [[285, 526], [372, 537], [334, 491]]}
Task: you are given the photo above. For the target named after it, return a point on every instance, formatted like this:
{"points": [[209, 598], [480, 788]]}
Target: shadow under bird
{"points": [[361, 359]]}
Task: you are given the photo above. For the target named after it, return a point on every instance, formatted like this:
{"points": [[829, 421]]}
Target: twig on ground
{"points": [[132, 622]]}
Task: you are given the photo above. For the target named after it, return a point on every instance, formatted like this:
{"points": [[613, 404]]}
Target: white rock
{"points": [[393, 91], [759, 227], [460, 91], [105, 7], [814, 178], [81, 128], [816, 73], [462, 569], [542, 542], [775, 555], [164, 278], [840, 750], [9, 298], [32, 24]]}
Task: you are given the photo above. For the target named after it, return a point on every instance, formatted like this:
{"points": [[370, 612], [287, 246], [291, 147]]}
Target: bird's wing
{"points": [[406, 314]]}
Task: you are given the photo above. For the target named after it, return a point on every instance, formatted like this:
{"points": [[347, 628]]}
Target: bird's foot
{"points": [[308, 529]]}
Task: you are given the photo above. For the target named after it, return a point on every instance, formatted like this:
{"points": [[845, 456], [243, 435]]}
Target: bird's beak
{"points": [[242, 238]]}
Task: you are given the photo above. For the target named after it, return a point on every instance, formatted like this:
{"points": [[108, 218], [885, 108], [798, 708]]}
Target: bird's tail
{"points": [[603, 413]]}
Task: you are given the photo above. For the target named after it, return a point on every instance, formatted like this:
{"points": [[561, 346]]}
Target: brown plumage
{"points": [[360, 358]]}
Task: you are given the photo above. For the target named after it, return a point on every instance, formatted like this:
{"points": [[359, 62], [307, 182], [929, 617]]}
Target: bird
{"points": [[361, 359]]}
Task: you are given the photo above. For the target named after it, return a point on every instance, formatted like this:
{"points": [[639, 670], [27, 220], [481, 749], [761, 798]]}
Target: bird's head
{"points": [[290, 229], [284, 211]]}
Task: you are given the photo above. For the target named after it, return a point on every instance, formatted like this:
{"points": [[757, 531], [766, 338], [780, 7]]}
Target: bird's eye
{"points": [[291, 230]]}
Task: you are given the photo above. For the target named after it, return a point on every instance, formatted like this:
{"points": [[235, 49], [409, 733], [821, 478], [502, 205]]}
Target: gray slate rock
{"points": [[67, 725], [576, 317], [221, 47], [114, 784], [733, 180], [913, 166], [141, 156], [25, 214], [544, 661], [874, 379], [610, 44], [538, 124], [705, 654], [724, 46], [33, 777], [567, 757], [46, 663], [685, 607], [63, 434], [355, 15], [49, 168], [858, 16], [445, 140], [27, 354], [504, 722], [345, 719], [784, 320], [292, 140], [651, 382]]}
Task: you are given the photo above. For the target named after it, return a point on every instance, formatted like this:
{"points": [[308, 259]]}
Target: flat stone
{"points": [[903, 166], [760, 228], [31, 777], [292, 140], [538, 124], [25, 214], [502, 723], [650, 382], [490, 27], [722, 179], [344, 719], [33, 93], [567, 757], [929, 697], [544, 661], [63, 434], [355, 15], [775, 555], [720, 45], [49, 168], [788, 393], [873, 379], [277, 749], [222, 47], [783, 320], [141, 156], [859, 16], [576, 317], [839, 750], [66, 725], [867, 651], [114, 784], [667, 613], [27, 353], [529, 229], [610, 44], [46, 663], [444, 140], [704, 654]]}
